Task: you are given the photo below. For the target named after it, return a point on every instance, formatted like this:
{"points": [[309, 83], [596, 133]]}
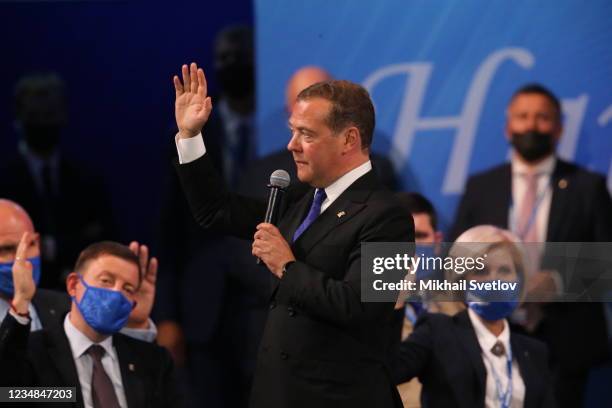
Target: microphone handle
{"points": [[272, 210]]}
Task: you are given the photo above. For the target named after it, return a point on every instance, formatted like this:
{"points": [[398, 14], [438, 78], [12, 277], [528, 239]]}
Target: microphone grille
{"points": [[280, 178]]}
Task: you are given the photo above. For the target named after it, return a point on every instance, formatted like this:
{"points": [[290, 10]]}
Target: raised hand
{"points": [[192, 106], [23, 281], [145, 296]]}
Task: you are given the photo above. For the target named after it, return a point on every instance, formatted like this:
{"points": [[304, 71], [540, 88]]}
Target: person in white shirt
{"points": [[473, 358], [108, 369]]}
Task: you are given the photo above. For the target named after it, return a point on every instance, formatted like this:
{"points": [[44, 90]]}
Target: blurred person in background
{"points": [[543, 198], [68, 203], [472, 358], [203, 309]]}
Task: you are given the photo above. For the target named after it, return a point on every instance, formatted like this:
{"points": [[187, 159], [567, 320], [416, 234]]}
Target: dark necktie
{"points": [[498, 349], [102, 390], [313, 213]]}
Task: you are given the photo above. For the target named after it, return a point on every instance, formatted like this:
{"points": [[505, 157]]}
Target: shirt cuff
{"points": [[190, 149], [20, 319], [149, 335]]}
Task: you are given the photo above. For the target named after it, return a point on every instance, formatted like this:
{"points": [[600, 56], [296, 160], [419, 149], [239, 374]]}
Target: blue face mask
{"points": [[6, 275], [106, 311], [493, 305]]}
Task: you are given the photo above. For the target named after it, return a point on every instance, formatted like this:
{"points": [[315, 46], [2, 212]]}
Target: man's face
{"points": [[423, 231], [532, 112], [316, 149], [109, 272]]}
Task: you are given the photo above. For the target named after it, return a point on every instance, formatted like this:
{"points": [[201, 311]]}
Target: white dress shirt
{"points": [[543, 193], [486, 339], [79, 343], [193, 148]]}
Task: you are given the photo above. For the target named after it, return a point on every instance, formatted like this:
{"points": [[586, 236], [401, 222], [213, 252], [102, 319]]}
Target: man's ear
{"points": [[71, 283], [352, 139], [438, 237]]}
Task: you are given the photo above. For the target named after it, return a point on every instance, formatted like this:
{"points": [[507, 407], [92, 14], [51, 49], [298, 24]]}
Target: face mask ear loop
{"points": [[85, 292]]}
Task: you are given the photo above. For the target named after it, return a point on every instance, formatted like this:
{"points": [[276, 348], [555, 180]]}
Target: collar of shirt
{"points": [[486, 339], [79, 343], [545, 167], [334, 190]]}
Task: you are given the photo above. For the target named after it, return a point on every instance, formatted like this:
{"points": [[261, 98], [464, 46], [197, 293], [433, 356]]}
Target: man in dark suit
{"points": [[543, 198], [322, 346], [48, 307], [68, 203], [108, 369]]}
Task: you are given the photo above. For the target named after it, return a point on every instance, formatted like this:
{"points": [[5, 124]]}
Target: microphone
{"points": [[279, 180]]}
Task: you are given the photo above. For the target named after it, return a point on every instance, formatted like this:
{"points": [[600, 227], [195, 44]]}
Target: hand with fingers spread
{"points": [[192, 105], [145, 296], [23, 281], [270, 246]]}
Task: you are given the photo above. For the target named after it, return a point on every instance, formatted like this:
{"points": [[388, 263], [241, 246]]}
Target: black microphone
{"points": [[279, 180]]}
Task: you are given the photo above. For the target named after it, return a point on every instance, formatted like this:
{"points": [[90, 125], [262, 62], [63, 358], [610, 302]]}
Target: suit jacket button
{"points": [[284, 355], [272, 305], [291, 311]]}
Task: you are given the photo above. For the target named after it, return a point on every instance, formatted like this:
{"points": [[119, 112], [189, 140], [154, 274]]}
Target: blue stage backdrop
{"points": [[441, 73]]}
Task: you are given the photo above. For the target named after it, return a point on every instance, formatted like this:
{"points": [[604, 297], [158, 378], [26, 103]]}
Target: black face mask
{"points": [[237, 79], [42, 139], [533, 145]]}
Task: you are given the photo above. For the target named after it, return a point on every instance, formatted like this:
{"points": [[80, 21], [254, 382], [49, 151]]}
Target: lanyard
{"points": [[514, 222], [504, 397]]}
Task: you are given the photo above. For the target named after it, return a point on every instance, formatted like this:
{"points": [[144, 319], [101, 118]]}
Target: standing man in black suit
{"points": [[543, 198], [322, 346], [108, 369]]}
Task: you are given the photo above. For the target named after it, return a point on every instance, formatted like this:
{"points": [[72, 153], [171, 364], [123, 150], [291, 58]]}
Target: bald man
{"points": [[48, 307], [302, 79]]}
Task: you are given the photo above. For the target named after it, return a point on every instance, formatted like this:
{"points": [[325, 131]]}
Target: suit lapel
{"points": [[133, 385], [61, 355], [526, 368], [346, 206], [559, 183], [467, 337]]}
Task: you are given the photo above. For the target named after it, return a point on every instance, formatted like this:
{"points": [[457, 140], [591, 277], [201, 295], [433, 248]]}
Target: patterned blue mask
{"points": [[493, 305], [105, 310]]}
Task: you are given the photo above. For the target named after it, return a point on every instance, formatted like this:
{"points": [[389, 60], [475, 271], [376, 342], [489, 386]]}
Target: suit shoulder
{"points": [[582, 175], [490, 175], [52, 297]]}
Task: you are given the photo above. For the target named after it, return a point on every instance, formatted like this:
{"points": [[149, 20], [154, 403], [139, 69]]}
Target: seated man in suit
{"points": [[49, 306], [108, 369], [542, 198], [472, 359]]}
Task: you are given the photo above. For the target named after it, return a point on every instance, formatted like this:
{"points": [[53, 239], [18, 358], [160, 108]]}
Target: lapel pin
{"points": [[131, 367], [563, 184], [341, 214]]}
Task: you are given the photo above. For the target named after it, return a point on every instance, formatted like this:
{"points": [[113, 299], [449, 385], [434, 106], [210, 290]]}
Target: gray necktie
{"points": [[102, 390]]}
